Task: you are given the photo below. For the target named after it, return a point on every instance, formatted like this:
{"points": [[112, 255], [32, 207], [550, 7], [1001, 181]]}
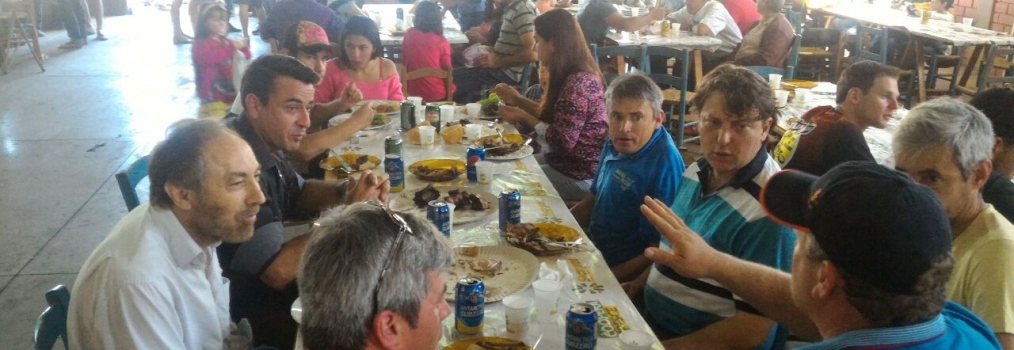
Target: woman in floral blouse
{"points": [[572, 116]]}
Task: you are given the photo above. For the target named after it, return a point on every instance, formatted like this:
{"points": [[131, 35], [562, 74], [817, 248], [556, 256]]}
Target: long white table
{"points": [[388, 17], [592, 281]]}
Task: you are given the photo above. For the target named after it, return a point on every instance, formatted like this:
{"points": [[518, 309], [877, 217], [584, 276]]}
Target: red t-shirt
{"points": [[744, 12], [426, 50]]}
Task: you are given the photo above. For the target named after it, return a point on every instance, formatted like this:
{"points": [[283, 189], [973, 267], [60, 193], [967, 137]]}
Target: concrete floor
{"points": [[63, 134]]}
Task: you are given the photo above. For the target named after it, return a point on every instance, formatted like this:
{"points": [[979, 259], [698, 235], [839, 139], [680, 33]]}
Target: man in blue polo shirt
{"points": [[870, 269], [639, 159], [718, 198]]}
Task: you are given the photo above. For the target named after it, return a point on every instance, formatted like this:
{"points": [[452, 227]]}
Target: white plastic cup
{"points": [[427, 134], [675, 32], [802, 97], [782, 98], [473, 132], [636, 340], [775, 81], [967, 22], [485, 172], [447, 113], [547, 293], [417, 101], [518, 312], [625, 36], [473, 110]]}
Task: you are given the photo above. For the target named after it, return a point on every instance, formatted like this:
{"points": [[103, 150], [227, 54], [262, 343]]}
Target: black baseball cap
{"points": [[874, 223]]}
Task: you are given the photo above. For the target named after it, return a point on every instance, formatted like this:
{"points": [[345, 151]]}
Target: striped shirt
{"points": [[518, 19], [730, 220]]}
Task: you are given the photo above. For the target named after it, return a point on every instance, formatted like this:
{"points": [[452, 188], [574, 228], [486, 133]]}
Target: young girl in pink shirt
{"points": [[426, 47], [213, 54]]}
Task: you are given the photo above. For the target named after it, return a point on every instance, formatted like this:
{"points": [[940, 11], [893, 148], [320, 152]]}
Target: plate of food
{"points": [[470, 204], [504, 270], [801, 84], [383, 106], [357, 161], [487, 343], [509, 147], [380, 121], [437, 170], [490, 107], [544, 238]]}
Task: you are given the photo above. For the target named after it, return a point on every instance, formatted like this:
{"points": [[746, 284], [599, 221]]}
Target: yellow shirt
{"points": [[983, 277]]}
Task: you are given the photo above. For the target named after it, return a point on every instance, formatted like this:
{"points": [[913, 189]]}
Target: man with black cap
{"points": [[870, 269]]}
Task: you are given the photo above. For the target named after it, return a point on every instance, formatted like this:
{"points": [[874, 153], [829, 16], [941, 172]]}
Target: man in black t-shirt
{"points": [[599, 15], [998, 105]]}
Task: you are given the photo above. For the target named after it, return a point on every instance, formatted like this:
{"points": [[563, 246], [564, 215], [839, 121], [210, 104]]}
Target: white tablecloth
{"points": [[942, 31], [540, 202]]}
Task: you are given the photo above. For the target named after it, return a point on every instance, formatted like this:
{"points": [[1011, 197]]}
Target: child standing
{"points": [[213, 56], [425, 47]]}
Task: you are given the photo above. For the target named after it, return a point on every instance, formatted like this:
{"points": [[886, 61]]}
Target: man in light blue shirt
{"points": [[639, 159]]}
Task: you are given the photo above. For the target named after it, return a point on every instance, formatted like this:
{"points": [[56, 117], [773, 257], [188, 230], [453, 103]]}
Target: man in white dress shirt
{"points": [[710, 18], [155, 282]]}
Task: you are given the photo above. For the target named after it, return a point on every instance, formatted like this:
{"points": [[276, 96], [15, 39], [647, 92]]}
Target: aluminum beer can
{"points": [[474, 155], [510, 208], [407, 115], [469, 305], [581, 321], [433, 116], [392, 145], [395, 169], [439, 213]]}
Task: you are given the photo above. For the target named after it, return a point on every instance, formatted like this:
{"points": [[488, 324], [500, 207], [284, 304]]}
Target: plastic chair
{"points": [[789, 72], [128, 180], [52, 323], [446, 75], [677, 86], [13, 34], [635, 52]]}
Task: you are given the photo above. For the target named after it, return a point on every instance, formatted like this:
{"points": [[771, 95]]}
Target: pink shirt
{"points": [[426, 50], [335, 81], [213, 63]]}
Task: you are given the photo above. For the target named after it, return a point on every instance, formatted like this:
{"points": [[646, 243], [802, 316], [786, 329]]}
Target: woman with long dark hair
{"points": [[360, 62], [572, 116]]}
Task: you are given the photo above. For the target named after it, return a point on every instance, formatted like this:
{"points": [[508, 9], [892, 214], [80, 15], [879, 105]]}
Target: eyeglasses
{"points": [[402, 229]]}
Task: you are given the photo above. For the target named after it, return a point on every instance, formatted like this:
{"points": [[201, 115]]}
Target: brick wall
{"points": [[1002, 17], [964, 8]]}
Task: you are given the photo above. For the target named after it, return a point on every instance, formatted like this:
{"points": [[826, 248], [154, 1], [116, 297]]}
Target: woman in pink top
{"points": [[426, 47], [360, 62]]}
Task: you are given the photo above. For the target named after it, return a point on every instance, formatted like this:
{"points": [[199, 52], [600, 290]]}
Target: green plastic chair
{"points": [[52, 323], [128, 180]]}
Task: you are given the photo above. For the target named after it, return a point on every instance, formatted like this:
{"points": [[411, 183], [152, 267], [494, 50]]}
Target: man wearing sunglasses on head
{"points": [[372, 281]]}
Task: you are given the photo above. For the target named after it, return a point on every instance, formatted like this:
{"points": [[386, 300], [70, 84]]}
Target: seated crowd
{"points": [[729, 251]]}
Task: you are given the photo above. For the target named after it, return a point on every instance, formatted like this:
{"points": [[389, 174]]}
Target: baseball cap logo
{"points": [[814, 197]]}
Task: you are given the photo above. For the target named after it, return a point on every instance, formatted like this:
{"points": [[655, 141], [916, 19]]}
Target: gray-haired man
{"points": [[947, 145], [370, 279]]}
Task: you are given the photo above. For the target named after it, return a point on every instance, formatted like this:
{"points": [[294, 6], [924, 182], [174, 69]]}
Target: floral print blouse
{"points": [[579, 127]]}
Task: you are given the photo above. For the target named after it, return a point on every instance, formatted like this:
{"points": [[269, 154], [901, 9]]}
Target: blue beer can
{"points": [[469, 305], [510, 208], [474, 155], [439, 213], [395, 169], [581, 327]]}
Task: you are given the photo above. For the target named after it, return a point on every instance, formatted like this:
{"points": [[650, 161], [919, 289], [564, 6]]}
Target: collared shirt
{"points": [[617, 226], [714, 15], [148, 285], [286, 13], [518, 20], [732, 221], [243, 263], [954, 328]]}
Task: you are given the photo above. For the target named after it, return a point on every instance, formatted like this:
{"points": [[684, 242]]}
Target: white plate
{"points": [[520, 268], [525, 151], [391, 118], [403, 202]]}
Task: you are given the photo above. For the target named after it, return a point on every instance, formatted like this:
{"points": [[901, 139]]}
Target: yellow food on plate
{"points": [[452, 134]]}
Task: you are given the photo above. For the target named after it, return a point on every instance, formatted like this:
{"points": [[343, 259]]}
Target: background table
{"points": [[388, 17], [683, 40], [591, 281]]}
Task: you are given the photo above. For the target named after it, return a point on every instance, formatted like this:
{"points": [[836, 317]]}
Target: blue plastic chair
{"points": [[52, 323], [128, 180], [789, 72], [635, 55], [678, 81]]}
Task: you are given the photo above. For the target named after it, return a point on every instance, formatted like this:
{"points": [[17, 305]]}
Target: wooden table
{"points": [[933, 32], [592, 280]]}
